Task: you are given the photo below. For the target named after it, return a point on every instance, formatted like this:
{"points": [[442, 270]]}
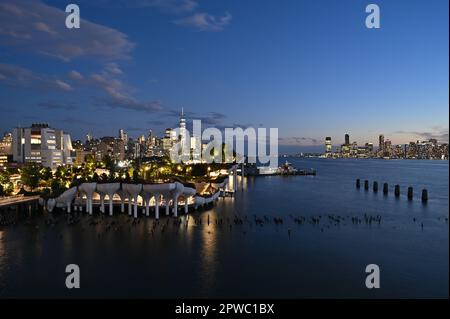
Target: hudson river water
{"points": [[289, 260]]}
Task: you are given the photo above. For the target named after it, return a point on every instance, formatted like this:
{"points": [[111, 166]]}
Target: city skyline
{"points": [[229, 64]]}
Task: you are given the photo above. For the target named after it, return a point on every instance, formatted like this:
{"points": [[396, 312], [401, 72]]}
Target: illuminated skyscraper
{"points": [[381, 142], [328, 146], [182, 127], [123, 136]]}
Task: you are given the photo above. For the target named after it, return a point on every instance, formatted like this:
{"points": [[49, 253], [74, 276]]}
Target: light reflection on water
{"points": [[251, 260]]}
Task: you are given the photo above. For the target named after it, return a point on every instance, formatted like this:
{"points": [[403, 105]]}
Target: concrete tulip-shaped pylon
{"points": [[109, 189], [51, 203], [67, 198], [88, 189], [188, 191], [133, 190]]}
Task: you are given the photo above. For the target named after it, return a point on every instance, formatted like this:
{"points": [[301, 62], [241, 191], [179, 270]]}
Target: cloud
{"points": [[203, 21], [118, 97], [16, 76], [211, 118], [173, 6], [12, 9], [75, 75], [19, 77], [117, 93], [41, 26], [55, 105], [297, 141], [439, 133], [116, 100], [78, 121], [34, 27], [113, 68], [169, 6], [63, 85]]}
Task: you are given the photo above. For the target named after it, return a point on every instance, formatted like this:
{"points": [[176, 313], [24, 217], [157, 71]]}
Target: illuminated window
{"points": [[35, 140]]}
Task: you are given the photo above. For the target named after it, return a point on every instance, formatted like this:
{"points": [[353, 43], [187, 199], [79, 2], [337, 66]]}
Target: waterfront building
{"points": [[369, 147], [6, 144], [345, 150], [387, 146], [347, 139], [328, 146], [41, 144], [381, 142], [6, 150], [430, 149]]}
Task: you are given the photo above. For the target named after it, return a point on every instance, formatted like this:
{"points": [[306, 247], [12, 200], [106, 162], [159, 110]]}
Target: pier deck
{"points": [[17, 200]]}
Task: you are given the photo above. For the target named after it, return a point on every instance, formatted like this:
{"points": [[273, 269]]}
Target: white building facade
{"points": [[42, 144]]}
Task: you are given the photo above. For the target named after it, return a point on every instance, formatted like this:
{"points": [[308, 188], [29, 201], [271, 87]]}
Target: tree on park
{"points": [[136, 176], [46, 173], [30, 175], [4, 176], [89, 159], [55, 186], [108, 162]]}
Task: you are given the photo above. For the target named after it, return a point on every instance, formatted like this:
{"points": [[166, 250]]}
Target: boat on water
{"points": [[285, 169], [288, 169], [268, 170]]}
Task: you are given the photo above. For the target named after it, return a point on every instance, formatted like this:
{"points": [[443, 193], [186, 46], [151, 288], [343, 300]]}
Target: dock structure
{"points": [[20, 202]]}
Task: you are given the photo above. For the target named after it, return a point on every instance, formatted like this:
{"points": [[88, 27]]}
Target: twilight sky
{"points": [[310, 68]]}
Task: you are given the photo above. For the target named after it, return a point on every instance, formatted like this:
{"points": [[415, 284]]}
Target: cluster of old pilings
{"points": [[410, 191]]}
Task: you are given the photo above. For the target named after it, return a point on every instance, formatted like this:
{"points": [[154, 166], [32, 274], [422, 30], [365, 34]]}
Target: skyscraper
{"points": [[328, 146], [347, 139], [381, 142], [123, 136], [168, 139], [182, 126], [184, 143]]}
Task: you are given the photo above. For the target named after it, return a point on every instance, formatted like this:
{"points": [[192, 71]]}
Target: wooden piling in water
{"points": [[424, 195], [375, 187], [397, 190], [385, 188], [366, 184], [358, 183], [410, 192]]}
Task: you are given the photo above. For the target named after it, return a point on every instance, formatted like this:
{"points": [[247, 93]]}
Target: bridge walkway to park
{"points": [[19, 201]]}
